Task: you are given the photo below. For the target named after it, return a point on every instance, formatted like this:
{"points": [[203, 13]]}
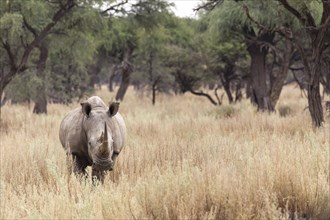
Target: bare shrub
{"points": [[225, 111], [285, 110]]}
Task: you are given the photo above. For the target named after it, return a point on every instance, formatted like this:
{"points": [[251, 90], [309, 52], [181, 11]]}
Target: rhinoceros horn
{"points": [[105, 149]]}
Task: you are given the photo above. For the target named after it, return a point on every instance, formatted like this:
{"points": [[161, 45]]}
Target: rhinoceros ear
{"points": [[86, 108], [113, 108]]}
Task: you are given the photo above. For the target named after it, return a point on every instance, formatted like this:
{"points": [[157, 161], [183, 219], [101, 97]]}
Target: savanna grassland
{"points": [[184, 159]]}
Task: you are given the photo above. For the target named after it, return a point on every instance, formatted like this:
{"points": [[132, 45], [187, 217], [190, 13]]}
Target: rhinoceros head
{"points": [[98, 135]]}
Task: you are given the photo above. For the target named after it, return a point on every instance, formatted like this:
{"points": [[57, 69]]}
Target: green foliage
{"points": [[312, 6], [153, 37], [68, 79], [19, 90], [151, 55], [228, 20], [11, 27], [170, 50], [72, 45], [25, 87], [121, 32], [150, 14]]}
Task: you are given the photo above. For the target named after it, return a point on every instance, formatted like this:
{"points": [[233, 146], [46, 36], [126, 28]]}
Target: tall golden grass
{"points": [[184, 159]]}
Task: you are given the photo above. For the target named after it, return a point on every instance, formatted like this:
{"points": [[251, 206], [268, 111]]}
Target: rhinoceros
{"points": [[94, 135]]}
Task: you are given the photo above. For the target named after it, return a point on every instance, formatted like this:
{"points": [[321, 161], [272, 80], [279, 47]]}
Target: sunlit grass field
{"points": [[184, 159]]}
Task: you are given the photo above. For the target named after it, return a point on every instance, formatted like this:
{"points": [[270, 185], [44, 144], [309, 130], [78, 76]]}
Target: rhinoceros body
{"points": [[94, 135]]}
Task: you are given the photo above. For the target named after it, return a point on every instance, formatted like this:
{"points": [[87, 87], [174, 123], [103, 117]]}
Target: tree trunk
{"points": [[277, 81], [314, 104], [260, 91], [40, 106], [3, 100], [113, 73], [248, 90], [152, 79], [126, 76], [325, 80], [313, 91], [228, 71], [18, 63], [238, 91], [154, 89], [317, 35], [228, 92], [127, 69], [258, 71], [93, 72]]}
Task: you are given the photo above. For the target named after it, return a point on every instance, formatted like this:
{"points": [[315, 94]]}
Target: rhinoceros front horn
{"points": [[105, 149]]}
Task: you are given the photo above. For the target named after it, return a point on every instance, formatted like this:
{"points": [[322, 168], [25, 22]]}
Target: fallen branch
{"points": [[201, 93]]}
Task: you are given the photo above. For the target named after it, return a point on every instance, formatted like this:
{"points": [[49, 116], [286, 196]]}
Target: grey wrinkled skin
{"points": [[94, 135]]}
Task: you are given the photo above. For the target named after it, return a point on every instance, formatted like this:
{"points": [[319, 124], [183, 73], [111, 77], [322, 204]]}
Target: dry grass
{"points": [[184, 159]]}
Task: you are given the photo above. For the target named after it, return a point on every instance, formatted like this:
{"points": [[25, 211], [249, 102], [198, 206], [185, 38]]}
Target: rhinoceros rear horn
{"points": [[86, 108], [113, 108]]}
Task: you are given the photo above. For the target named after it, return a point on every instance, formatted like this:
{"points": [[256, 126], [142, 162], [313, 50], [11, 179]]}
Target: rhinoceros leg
{"points": [[98, 175], [79, 165]]}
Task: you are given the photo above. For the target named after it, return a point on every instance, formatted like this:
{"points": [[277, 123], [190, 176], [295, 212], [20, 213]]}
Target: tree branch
{"points": [[209, 6], [29, 27], [217, 96], [6, 46], [284, 31], [307, 21], [38, 38], [22, 42], [201, 93], [296, 68], [325, 19], [292, 10], [114, 7], [304, 58]]}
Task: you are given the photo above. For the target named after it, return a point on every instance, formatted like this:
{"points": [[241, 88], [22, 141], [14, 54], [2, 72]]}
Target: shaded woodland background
{"points": [[58, 51]]}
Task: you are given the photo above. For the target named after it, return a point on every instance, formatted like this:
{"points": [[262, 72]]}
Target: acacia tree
{"points": [[72, 51], [144, 14], [188, 60], [229, 19], [59, 62], [153, 38], [282, 54], [117, 48], [227, 57], [314, 17], [150, 60], [19, 38], [316, 30]]}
